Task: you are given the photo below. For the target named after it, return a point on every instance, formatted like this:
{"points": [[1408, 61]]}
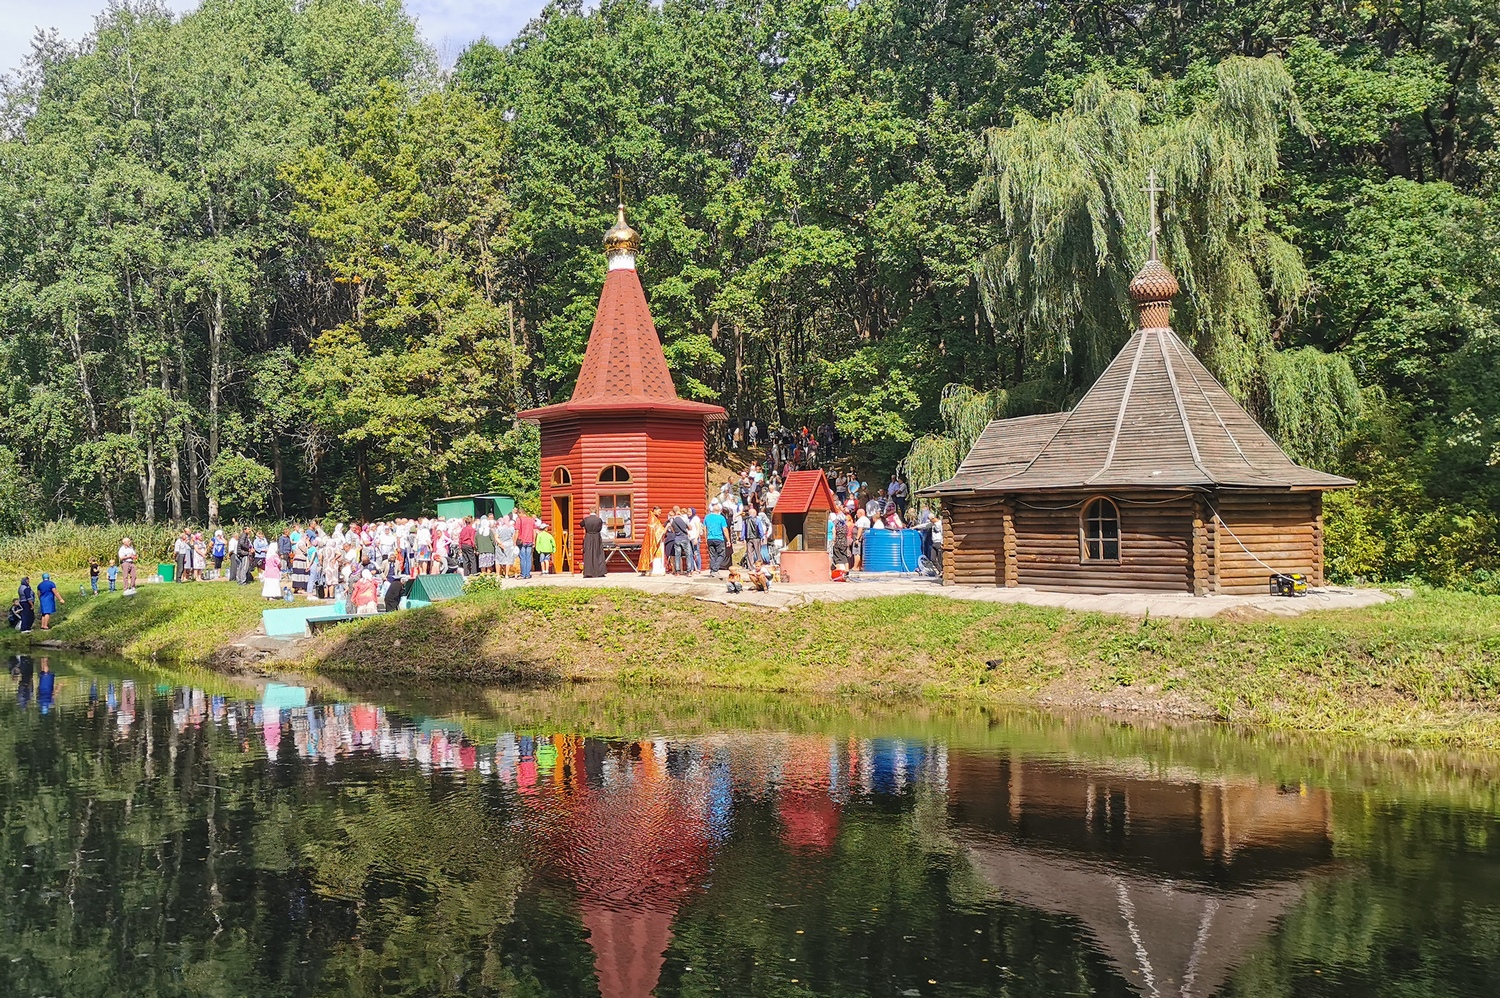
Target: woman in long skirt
{"points": [[505, 545], [299, 567], [484, 544]]}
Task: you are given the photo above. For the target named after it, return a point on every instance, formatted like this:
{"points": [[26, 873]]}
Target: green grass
{"points": [[188, 622], [1420, 670], [1424, 670]]}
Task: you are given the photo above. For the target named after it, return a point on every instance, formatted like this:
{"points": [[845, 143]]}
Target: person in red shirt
{"points": [[525, 541], [466, 547]]}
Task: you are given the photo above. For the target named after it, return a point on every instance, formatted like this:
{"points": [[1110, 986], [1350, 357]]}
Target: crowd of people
{"points": [[370, 565], [737, 531], [363, 562], [797, 449]]}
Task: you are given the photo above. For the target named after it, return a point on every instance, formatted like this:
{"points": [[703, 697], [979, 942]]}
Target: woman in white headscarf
{"points": [[505, 544], [484, 544]]}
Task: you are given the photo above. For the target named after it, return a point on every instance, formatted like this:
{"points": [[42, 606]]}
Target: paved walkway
{"points": [[786, 595]]}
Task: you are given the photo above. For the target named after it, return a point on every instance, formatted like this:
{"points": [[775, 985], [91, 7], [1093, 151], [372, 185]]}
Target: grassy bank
{"points": [[1421, 670], [189, 622]]}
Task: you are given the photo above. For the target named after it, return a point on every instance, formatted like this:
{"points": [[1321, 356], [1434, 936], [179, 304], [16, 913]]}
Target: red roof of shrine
{"points": [[805, 491], [624, 368]]}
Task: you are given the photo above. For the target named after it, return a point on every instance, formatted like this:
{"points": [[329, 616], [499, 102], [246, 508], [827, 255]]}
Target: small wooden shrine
{"points": [[625, 441], [800, 519], [1157, 480], [800, 523]]}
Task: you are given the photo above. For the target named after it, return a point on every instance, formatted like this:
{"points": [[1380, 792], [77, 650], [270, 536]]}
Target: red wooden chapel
{"points": [[625, 440]]}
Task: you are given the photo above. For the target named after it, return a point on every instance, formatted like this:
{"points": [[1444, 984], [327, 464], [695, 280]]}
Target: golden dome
{"points": [[1154, 283], [621, 238]]}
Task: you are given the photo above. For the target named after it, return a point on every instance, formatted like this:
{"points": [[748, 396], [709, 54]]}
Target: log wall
{"points": [[1194, 544], [1255, 534], [1156, 545], [974, 548]]}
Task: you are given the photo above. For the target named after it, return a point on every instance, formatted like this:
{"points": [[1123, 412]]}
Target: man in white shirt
{"points": [[695, 542], [127, 556], [182, 548]]}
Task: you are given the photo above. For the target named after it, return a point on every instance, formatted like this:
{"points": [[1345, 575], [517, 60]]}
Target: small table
{"points": [[630, 554]]}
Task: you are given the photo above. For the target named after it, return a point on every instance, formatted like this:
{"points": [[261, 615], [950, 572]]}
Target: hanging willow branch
{"points": [[1316, 401], [1073, 219], [935, 458]]}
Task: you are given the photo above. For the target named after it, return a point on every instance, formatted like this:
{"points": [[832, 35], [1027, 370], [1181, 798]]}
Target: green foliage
{"points": [[20, 496], [518, 455], [482, 584], [1316, 403], [65, 546], [1062, 186], [273, 229], [240, 485], [935, 457], [1389, 529]]}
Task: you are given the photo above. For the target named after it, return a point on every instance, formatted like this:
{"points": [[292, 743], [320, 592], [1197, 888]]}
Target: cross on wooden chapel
{"points": [[1153, 188]]}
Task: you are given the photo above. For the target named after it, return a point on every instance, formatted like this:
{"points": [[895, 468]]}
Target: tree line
{"points": [[268, 256]]}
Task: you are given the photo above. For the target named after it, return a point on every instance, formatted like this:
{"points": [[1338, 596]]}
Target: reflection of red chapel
{"points": [[625, 440]]}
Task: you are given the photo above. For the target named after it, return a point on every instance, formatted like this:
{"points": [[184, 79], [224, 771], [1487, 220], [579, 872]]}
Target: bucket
{"points": [[167, 572]]}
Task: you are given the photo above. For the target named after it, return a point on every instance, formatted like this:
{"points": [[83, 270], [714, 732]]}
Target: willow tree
{"points": [[935, 457], [1068, 193], [1072, 212]]}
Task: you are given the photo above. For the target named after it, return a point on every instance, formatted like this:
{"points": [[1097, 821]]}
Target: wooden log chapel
{"points": [[1157, 480]]}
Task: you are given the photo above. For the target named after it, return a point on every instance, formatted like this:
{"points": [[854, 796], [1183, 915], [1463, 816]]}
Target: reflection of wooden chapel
{"points": [[1177, 882], [625, 441]]}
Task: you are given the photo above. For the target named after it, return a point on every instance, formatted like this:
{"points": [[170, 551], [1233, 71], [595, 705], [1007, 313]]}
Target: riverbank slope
{"points": [[1422, 670]]}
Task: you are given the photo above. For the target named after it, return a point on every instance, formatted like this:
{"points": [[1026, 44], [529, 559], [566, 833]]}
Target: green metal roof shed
{"points": [[456, 507]]}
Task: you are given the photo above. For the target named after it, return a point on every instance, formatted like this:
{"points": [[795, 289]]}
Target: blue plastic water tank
{"points": [[911, 549], [883, 551]]}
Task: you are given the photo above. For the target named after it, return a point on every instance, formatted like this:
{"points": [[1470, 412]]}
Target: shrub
{"points": [[65, 546], [1388, 529]]}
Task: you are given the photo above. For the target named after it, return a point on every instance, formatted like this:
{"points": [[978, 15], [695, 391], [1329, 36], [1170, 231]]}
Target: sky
{"points": [[447, 25]]}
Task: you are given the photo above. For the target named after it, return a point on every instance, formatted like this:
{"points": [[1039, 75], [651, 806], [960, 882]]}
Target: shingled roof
{"points": [[1156, 418], [804, 491], [624, 368]]}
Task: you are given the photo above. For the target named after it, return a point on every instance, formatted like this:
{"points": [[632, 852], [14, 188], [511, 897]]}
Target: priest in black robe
{"points": [[593, 545]]}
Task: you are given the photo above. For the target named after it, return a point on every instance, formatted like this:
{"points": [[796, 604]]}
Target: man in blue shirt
{"points": [[716, 530]]}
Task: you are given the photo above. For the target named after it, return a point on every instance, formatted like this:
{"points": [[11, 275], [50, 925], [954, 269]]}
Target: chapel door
{"points": [[562, 524]]}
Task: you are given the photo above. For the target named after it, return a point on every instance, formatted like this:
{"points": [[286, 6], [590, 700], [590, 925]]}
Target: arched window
{"points": [[1101, 530], [562, 476], [614, 473]]}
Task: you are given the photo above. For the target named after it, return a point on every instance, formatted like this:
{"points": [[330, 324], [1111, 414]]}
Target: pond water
{"points": [[179, 834]]}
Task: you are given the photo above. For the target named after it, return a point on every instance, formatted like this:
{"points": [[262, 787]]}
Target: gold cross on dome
{"points": [[1153, 188], [620, 179]]}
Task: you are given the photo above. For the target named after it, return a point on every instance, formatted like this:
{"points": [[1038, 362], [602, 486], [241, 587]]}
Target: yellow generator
{"points": [[1293, 584]]}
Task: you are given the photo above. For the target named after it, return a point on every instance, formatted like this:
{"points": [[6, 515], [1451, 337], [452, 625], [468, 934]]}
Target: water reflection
{"points": [[160, 835], [1177, 882]]}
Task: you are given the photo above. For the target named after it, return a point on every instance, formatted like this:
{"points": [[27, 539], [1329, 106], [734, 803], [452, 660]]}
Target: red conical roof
{"points": [[624, 368], [624, 360]]}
